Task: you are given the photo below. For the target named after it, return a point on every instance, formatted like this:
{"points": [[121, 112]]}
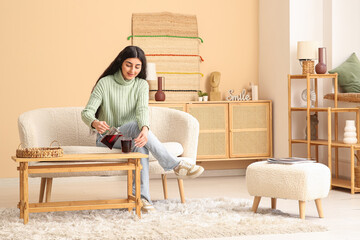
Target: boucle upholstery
{"points": [[38, 128], [307, 181]]}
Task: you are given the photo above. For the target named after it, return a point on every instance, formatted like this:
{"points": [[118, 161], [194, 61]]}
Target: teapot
{"points": [[110, 137]]}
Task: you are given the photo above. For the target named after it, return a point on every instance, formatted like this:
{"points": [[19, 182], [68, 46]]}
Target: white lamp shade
{"points": [[307, 50], [151, 71]]}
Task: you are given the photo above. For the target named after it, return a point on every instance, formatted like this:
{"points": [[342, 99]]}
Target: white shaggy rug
{"points": [[197, 218]]}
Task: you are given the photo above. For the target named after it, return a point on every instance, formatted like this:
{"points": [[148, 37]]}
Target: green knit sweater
{"points": [[119, 101]]}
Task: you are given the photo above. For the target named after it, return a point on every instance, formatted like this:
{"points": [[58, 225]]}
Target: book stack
{"points": [[290, 160]]}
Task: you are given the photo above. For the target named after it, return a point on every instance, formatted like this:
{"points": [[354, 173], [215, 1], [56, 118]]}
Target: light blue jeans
{"points": [[165, 159]]}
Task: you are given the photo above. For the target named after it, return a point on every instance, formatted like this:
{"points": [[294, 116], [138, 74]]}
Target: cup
{"points": [[126, 144]]}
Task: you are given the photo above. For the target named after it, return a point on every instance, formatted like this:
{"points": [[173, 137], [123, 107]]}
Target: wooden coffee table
{"points": [[131, 162]]}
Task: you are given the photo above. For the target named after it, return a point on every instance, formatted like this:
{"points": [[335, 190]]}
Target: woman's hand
{"points": [[100, 126], [142, 139]]}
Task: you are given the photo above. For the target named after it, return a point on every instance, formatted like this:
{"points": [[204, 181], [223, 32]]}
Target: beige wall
{"points": [[274, 65], [53, 51]]}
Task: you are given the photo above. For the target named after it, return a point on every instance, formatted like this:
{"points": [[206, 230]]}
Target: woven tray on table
{"points": [[44, 152]]}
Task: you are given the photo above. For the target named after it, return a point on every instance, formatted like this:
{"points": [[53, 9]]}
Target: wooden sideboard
{"points": [[233, 134]]}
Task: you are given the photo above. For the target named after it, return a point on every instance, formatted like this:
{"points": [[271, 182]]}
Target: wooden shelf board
{"points": [[304, 76], [344, 109], [325, 143], [343, 183], [318, 109], [311, 109]]}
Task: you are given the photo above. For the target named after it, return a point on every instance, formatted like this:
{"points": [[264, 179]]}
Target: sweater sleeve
{"points": [[88, 114], [142, 105]]}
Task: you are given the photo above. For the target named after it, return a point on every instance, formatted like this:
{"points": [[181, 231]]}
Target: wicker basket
{"points": [[47, 152], [308, 67], [357, 173]]}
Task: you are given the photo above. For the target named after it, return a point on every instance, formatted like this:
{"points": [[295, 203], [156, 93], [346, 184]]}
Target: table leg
{"points": [[352, 170], [137, 187], [129, 186], [42, 189], [26, 192], [21, 184]]}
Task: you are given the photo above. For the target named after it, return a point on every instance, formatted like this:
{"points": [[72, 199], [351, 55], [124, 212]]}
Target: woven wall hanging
{"points": [[170, 41]]}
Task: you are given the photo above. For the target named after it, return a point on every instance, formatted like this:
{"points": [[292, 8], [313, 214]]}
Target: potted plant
{"points": [[200, 94], [205, 97]]}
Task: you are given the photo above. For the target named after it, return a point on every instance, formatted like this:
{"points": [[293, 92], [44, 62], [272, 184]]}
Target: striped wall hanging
{"points": [[170, 41]]}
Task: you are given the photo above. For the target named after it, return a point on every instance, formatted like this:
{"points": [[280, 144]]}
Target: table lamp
{"points": [[151, 71], [306, 53], [150, 76]]}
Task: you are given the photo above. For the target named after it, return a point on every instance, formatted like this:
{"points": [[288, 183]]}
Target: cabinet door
{"points": [[213, 137], [250, 129]]}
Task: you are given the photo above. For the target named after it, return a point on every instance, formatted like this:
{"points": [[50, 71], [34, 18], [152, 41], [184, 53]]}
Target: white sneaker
{"points": [[188, 170], [146, 206]]}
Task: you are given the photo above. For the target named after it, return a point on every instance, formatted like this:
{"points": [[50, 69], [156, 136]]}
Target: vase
{"points": [[350, 132], [320, 68], [314, 121], [160, 95]]}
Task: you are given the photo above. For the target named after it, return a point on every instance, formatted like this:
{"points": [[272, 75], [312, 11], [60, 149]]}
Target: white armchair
{"points": [[177, 130]]}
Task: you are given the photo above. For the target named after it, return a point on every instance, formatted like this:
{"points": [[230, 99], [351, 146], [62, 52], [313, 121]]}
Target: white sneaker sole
{"points": [[146, 210], [197, 174]]}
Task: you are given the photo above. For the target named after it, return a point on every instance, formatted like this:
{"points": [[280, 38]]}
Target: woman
{"points": [[120, 98]]}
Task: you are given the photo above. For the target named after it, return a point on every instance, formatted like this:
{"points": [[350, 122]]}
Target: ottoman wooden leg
{"points": [[302, 209], [256, 203], [319, 207], [273, 203]]}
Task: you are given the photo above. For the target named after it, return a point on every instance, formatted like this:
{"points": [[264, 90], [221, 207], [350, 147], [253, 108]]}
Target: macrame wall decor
{"points": [[170, 41]]}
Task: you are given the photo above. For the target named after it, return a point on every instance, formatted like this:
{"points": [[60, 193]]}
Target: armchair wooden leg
{"points": [[42, 190], [273, 203], [319, 207], [164, 183], [181, 190], [48, 189], [256, 203], [302, 209]]}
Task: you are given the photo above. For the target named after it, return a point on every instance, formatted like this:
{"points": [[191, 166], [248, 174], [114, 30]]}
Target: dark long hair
{"points": [[128, 52]]}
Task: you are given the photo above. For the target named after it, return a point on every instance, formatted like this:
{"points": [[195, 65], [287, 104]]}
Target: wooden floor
{"points": [[341, 209]]}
